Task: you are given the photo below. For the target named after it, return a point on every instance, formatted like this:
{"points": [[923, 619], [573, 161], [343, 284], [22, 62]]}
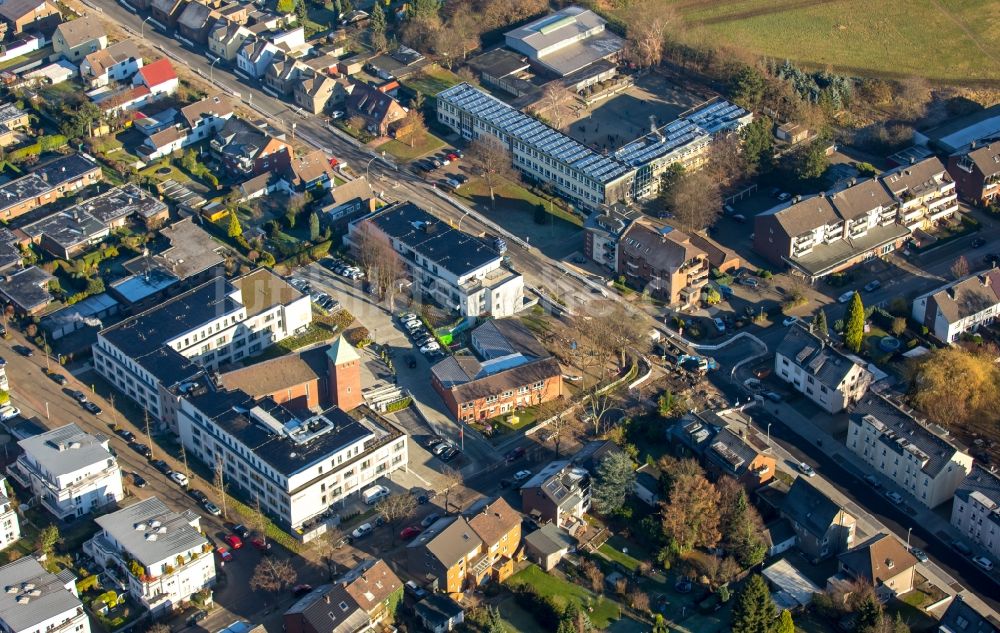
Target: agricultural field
{"points": [[953, 40]]}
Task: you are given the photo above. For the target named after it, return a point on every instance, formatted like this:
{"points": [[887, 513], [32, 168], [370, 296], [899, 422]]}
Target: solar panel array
{"points": [[669, 138], [716, 116], [534, 133]]}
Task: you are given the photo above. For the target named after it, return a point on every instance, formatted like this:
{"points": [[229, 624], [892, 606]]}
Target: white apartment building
{"points": [[163, 554], [212, 324], [824, 375], [71, 472], [297, 467], [36, 601], [920, 460], [960, 306], [458, 271], [976, 511], [925, 192], [10, 526]]}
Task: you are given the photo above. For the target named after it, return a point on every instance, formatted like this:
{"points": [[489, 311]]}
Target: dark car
{"points": [[198, 496], [138, 481], [515, 453], [241, 531], [449, 454], [197, 617], [301, 590], [93, 408], [161, 466], [142, 449], [59, 379], [79, 396], [23, 350], [128, 436], [411, 361], [505, 483], [978, 242]]}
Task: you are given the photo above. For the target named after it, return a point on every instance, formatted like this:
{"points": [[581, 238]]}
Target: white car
{"points": [[180, 478], [521, 475], [8, 412], [362, 530], [847, 296], [806, 469], [983, 562], [336, 114], [430, 347], [790, 321], [895, 497]]}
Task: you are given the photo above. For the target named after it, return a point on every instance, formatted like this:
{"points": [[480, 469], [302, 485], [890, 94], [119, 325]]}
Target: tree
{"points": [[613, 329], [378, 28], [46, 540], [489, 157], [593, 575], [820, 328], [78, 122], [758, 143], [459, 36], [555, 102], [695, 200], [272, 574], [754, 611], [219, 481], [785, 623], [314, 225], [898, 325], [809, 161], [235, 229], [380, 262], [870, 616], [647, 23], [613, 483], [746, 88], [450, 478], [423, 9], [660, 625], [854, 334], [494, 621], [960, 268], [415, 126], [396, 508], [672, 469], [346, 6], [670, 404], [324, 547], [955, 386], [286, 6], [159, 627], [691, 516], [741, 525], [256, 520]]}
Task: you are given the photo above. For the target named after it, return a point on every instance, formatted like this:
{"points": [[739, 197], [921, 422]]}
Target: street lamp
{"points": [[373, 159], [211, 68], [142, 26], [908, 530], [769, 435]]}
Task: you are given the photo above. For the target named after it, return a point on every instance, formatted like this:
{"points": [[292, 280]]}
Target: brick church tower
{"points": [[344, 366]]}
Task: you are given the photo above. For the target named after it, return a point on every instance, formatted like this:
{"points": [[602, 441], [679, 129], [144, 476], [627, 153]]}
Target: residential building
{"points": [[27, 290], [378, 110], [226, 39], [116, 63], [976, 510], [976, 172], [438, 613], [822, 528], [823, 234], [345, 202], [456, 270], [214, 323], [359, 600], [589, 178], [317, 91], [961, 617], [162, 553], [255, 55], [19, 16], [925, 193], [75, 39], [466, 551], [246, 151], [832, 380], [158, 77], [883, 562], [741, 454], [297, 381], [567, 41], [10, 526], [512, 372], [194, 122], [558, 493], [36, 600], [283, 73], [663, 261], [47, 183], [297, 467], [312, 171], [960, 306], [71, 472], [167, 12], [195, 22], [921, 460], [547, 545], [13, 122]]}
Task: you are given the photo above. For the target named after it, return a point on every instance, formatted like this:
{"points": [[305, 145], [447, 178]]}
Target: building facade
{"points": [[925, 193], [558, 493], [830, 379], [976, 511], [960, 306], [10, 526], [72, 473], [822, 528], [976, 173], [37, 601], [663, 261]]}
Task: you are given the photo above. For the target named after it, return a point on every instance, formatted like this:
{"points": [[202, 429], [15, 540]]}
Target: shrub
{"points": [[838, 325], [356, 335], [86, 584], [763, 273], [543, 608], [398, 405]]}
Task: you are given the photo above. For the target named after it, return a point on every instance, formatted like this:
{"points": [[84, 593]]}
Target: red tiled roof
{"points": [[160, 71], [124, 98]]}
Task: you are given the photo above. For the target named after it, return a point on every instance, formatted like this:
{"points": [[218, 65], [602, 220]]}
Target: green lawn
{"points": [[605, 611], [432, 80], [616, 555], [514, 195], [402, 150]]}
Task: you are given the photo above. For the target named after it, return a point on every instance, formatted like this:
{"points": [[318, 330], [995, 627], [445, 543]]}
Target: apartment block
{"points": [[960, 306], [976, 511], [830, 379], [10, 526], [71, 472], [558, 493], [925, 193], [976, 172], [164, 554], [664, 261], [921, 460], [37, 601]]}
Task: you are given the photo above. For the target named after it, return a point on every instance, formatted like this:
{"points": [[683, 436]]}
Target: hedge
{"points": [[271, 530], [398, 405]]}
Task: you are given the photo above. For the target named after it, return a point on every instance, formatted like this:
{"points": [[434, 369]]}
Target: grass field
{"points": [[605, 611], [953, 40]]}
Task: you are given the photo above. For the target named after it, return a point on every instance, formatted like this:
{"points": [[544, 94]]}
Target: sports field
{"points": [[956, 40]]}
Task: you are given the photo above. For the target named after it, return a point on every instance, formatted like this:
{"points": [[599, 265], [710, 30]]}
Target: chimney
{"points": [[972, 145], [326, 598], [913, 160], [984, 280]]}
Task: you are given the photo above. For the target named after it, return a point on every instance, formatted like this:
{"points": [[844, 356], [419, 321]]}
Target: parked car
{"points": [[161, 466], [410, 531], [411, 589], [138, 481], [514, 453], [58, 378], [241, 531], [895, 497], [441, 447], [362, 530], [789, 321], [142, 449], [224, 554], [198, 495], [233, 541], [773, 396], [521, 475], [197, 617], [260, 544], [720, 325], [179, 478], [873, 285], [919, 554], [847, 296], [806, 469], [961, 548], [77, 395], [752, 282], [8, 412], [23, 350], [429, 347], [983, 562], [873, 481], [449, 454], [993, 259], [212, 509], [336, 114], [92, 407], [301, 590], [430, 519], [125, 434]]}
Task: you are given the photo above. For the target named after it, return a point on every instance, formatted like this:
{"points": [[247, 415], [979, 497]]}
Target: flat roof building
{"points": [[36, 600], [566, 41]]}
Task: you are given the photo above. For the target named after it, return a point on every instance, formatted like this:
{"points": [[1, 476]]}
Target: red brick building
{"points": [[345, 375], [512, 371], [976, 173]]}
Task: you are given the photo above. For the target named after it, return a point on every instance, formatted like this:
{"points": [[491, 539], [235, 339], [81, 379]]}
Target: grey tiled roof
{"points": [[985, 487], [151, 532], [810, 508], [829, 366], [961, 617], [21, 608]]}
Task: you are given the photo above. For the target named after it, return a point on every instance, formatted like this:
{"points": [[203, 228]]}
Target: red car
{"points": [[234, 541], [224, 555], [409, 532], [453, 157], [260, 544]]}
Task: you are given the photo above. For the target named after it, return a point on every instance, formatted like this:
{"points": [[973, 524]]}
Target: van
{"points": [[374, 494]]}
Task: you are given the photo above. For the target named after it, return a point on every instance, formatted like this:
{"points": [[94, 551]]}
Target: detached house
{"points": [[316, 92], [36, 600], [195, 122], [246, 151], [664, 261], [456, 553], [119, 62], [312, 171], [830, 379], [378, 109], [80, 37], [283, 73], [159, 78], [742, 455], [822, 528], [28, 15], [976, 173], [359, 600], [883, 562], [558, 493], [960, 306], [255, 55]]}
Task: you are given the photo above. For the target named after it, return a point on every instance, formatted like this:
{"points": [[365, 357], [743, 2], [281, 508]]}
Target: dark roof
{"points": [[878, 559], [961, 617], [217, 105], [900, 432], [984, 487], [499, 62], [663, 248], [14, 9], [449, 542], [493, 384], [371, 103], [917, 179], [437, 609], [810, 508], [987, 159], [858, 200], [494, 520], [27, 288], [503, 337], [458, 253], [732, 452], [373, 585], [81, 30], [67, 228], [46, 178], [549, 539], [272, 375], [329, 609], [815, 357], [968, 296], [805, 215], [195, 16]]}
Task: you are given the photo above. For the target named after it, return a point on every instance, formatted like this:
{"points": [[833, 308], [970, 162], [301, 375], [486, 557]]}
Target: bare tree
{"points": [[490, 158], [555, 103], [220, 486], [960, 268], [593, 575], [159, 627], [597, 404], [615, 329], [647, 23], [366, 247], [256, 520], [380, 262], [396, 508], [325, 546], [694, 200], [272, 574], [450, 478], [415, 126], [460, 35]]}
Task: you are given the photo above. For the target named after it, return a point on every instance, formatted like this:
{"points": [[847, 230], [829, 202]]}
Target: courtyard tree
{"points": [[235, 229], [694, 200], [754, 611], [613, 483], [272, 574], [854, 333], [450, 477], [46, 540], [555, 103], [490, 158], [819, 326], [396, 508], [955, 386], [690, 517], [314, 227], [380, 262]]}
